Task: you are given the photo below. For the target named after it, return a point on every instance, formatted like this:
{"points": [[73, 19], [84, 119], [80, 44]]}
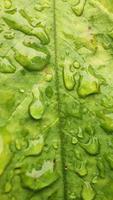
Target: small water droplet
{"points": [[8, 187], [9, 35], [106, 121], [92, 147], [68, 76], [35, 146], [101, 167], [95, 180], [79, 7], [72, 196], [32, 21], [55, 144], [76, 65], [74, 140], [49, 77], [21, 90], [49, 92], [109, 158], [80, 133], [88, 193], [36, 109], [39, 7], [81, 168], [7, 4]]}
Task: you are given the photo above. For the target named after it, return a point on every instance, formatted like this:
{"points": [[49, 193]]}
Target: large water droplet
{"points": [[92, 147], [39, 179], [88, 192], [79, 7], [15, 23], [88, 84], [68, 76], [31, 59], [6, 66]]}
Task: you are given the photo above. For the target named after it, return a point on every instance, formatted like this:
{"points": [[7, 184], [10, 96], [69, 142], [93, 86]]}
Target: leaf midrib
{"points": [[61, 134]]}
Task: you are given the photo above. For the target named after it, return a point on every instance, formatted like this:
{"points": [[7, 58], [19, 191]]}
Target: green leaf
{"points": [[56, 100]]}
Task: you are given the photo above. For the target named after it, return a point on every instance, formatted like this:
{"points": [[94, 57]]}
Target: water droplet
{"points": [[106, 121], [31, 59], [74, 140], [76, 65], [55, 144], [8, 187], [79, 7], [80, 133], [78, 154], [109, 158], [95, 180], [68, 76], [18, 144], [16, 24], [32, 21], [49, 77], [101, 167], [33, 179], [92, 147], [21, 90], [49, 92], [35, 147], [6, 66], [72, 196], [9, 35], [36, 109], [81, 169], [88, 85], [7, 4], [88, 192]]}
